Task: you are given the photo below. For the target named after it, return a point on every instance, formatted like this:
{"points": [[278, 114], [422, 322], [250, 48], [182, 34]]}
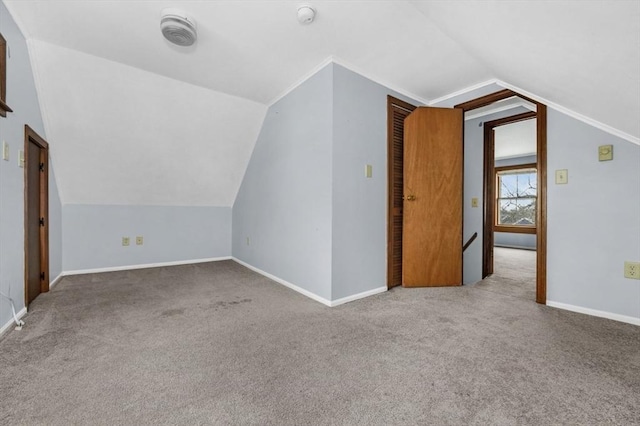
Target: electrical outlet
{"points": [[247, 240], [474, 202], [125, 241], [632, 270], [139, 240]]}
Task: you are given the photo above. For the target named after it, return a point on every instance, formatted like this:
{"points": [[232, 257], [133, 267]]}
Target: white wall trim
{"points": [[350, 67], [548, 103], [284, 283], [301, 80], [462, 91], [56, 280], [358, 296], [594, 312], [571, 113], [11, 323], [311, 295], [472, 116], [512, 246], [142, 266], [377, 80]]}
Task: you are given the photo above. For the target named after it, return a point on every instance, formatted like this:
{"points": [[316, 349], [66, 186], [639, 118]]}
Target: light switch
{"points": [[605, 152], [21, 159], [562, 176], [5, 151], [368, 171], [474, 202]]}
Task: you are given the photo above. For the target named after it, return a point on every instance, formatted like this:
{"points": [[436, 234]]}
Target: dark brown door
{"points": [[397, 111], [432, 209], [36, 216]]}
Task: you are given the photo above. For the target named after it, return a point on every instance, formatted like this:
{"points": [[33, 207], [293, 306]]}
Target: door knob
{"points": [[411, 197]]}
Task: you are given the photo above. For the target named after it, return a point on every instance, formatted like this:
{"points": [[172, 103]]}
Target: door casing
{"points": [[42, 185], [541, 215]]}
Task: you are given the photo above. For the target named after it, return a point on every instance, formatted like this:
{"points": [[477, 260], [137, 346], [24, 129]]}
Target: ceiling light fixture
{"points": [[306, 14], [178, 27]]}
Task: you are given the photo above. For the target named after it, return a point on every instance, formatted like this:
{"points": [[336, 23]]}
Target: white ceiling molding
{"points": [[350, 67], [380, 81], [301, 80], [571, 113], [503, 105], [463, 92]]}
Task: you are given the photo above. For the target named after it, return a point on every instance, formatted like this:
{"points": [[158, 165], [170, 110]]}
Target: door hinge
{"points": [[42, 221], [42, 276], [42, 167]]}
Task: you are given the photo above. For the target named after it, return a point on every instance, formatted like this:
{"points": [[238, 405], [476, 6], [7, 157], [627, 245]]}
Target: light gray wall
{"points": [[514, 240], [282, 213], [92, 234], [359, 256], [594, 220], [306, 182], [511, 239], [473, 187], [55, 226], [22, 98]]}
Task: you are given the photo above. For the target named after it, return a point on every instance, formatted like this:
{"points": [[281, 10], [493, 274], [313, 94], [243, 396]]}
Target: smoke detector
{"points": [[178, 27], [306, 14]]}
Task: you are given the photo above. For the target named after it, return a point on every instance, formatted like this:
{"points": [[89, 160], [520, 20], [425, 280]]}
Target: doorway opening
{"points": [[36, 215], [511, 187], [395, 212]]}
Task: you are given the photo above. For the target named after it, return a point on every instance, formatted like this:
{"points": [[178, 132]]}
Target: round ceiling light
{"points": [[178, 27], [306, 14]]}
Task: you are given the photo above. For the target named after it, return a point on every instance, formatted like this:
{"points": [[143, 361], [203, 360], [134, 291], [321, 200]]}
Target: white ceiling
{"points": [[150, 123]]}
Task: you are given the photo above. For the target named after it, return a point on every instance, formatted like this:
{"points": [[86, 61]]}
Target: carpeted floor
{"points": [[215, 343], [514, 273]]}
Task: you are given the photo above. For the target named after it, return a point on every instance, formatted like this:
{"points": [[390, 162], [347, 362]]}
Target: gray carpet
{"points": [[514, 273], [216, 343]]}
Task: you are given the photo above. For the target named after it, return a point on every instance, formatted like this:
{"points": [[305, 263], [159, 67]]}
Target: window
{"points": [[516, 201], [4, 108]]}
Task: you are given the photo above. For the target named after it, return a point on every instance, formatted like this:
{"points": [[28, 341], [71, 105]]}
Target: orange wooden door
{"points": [[432, 212]]}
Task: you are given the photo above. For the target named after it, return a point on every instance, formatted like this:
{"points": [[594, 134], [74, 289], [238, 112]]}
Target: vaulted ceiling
{"points": [[132, 119]]}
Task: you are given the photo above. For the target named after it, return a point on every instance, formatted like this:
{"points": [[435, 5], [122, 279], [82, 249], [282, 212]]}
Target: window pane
{"points": [[520, 212], [527, 185], [513, 184], [508, 186]]}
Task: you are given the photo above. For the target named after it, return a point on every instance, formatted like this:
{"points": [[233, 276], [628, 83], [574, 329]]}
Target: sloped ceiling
{"points": [[132, 119]]}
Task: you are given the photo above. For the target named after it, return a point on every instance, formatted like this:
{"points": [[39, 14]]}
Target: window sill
{"points": [[515, 229], [4, 108]]}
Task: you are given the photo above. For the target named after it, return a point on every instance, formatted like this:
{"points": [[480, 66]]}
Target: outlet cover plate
{"points": [[125, 241], [632, 270]]}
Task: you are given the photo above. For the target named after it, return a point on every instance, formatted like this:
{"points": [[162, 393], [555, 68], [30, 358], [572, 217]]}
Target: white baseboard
{"points": [[514, 247], [285, 283], [594, 312], [143, 266], [329, 303], [11, 323], [56, 280], [358, 296]]}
